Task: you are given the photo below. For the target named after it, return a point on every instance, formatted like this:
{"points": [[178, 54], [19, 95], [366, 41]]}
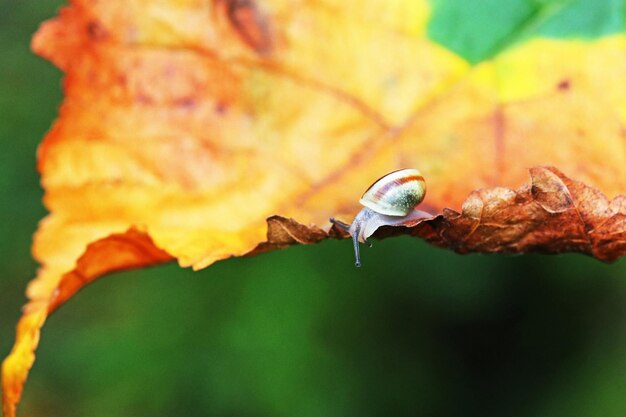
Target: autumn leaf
{"points": [[195, 131]]}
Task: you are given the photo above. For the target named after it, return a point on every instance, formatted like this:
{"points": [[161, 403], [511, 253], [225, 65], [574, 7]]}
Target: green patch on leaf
{"points": [[480, 29]]}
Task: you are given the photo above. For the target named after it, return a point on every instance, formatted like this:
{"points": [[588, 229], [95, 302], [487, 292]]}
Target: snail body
{"points": [[389, 201]]}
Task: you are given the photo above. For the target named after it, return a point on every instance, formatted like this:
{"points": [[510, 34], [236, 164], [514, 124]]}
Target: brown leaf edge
{"points": [[552, 214]]}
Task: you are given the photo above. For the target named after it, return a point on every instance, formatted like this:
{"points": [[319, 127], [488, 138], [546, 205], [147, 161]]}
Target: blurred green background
{"points": [[417, 331]]}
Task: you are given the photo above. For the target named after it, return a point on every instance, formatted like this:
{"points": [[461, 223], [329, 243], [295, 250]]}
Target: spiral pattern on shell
{"points": [[395, 194]]}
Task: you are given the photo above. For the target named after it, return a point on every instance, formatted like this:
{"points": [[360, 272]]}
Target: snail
{"points": [[389, 201]]}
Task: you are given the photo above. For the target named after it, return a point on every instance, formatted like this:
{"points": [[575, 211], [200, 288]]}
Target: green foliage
{"points": [[29, 93], [415, 331], [480, 29]]}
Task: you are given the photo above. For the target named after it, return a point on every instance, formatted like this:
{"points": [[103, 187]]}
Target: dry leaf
{"points": [[552, 214], [188, 125]]}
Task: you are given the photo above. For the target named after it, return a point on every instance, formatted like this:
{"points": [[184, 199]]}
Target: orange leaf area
{"points": [[196, 130]]}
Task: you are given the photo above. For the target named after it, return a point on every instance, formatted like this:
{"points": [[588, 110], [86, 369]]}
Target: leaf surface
{"points": [[199, 130]]}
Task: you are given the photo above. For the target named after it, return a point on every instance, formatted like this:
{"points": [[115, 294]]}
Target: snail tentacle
{"points": [[339, 223], [389, 201]]}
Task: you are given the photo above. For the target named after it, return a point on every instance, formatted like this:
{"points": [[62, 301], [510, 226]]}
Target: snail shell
{"points": [[389, 201], [395, 194]]}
